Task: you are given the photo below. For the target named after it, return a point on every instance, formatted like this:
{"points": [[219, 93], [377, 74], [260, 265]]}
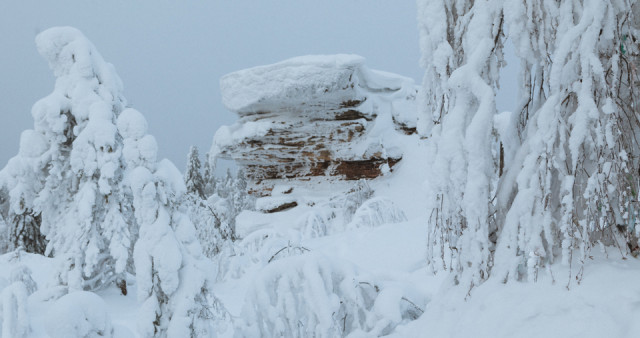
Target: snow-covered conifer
{"points": [[239, 192], [230, 199], [171, 271], [240, 198], [226, 185], [69, 167], [192, 177], [209, 178]]}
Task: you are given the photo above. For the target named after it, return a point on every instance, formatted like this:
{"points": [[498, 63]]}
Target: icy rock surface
{"points": [[315, 116]]}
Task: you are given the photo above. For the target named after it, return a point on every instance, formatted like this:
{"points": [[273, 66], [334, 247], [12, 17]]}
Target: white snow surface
{"points": [[80, 314], [390, 256], [278, 256]]}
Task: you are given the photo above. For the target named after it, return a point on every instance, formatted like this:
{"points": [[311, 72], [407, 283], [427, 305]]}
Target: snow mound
{"points": [[80, 314]]}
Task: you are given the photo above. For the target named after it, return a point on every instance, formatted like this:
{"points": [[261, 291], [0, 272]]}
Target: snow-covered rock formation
{"points": [[315, 116]]}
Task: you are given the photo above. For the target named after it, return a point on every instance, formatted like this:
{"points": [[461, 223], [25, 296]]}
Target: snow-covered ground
{"points": [[279, 255]]}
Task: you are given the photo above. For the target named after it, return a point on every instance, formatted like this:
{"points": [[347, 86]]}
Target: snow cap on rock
{"points": [[301, 78]]}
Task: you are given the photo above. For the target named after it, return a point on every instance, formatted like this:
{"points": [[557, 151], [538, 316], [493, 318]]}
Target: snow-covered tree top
{"points": [[303, 80], [83, 79], [69, 52]]}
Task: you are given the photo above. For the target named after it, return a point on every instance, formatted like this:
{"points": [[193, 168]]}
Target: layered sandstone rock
{"points": [[315, 116]]}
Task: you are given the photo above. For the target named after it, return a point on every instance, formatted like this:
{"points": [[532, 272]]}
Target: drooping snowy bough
{"points": [[569, 152], [462, 48], [574, 180]]}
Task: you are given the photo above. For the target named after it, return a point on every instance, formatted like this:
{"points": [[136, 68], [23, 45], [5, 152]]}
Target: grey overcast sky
{"points": [[171, 54]]}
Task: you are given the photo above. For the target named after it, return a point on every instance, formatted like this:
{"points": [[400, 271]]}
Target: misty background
{"points": [[170, 55]]}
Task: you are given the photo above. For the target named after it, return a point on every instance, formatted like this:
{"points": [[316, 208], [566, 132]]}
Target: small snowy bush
{"points": [[355, 197], [375, 212], [13, 305], [313, 296], [317, 222], [14, 313], [256, 250]]}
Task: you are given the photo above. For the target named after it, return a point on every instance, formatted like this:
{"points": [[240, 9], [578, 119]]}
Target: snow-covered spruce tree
{"points": [[240, 195], [461, 44], [214, 218], [208, 226], [223, 189], [574, 181], [192, 176], [171, 271], [230, 199], [207, 216], [204, 217], [208, 177], [69, 167], [238, 200]]}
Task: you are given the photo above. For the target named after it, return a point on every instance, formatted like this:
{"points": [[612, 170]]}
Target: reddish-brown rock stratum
{"points": [[315, 116]]}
